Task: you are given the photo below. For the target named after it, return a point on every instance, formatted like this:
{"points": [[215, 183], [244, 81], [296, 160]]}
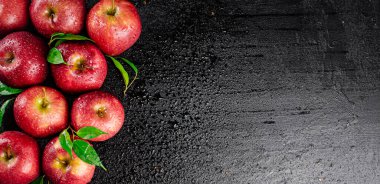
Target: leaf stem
{"points": [[104, 168]]}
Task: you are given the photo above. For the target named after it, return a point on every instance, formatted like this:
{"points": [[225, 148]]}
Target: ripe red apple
{"points": [[41, 111], [114, 28], [60, 168], [86, 67], [98, 109], [19, 158], [22, 60], [14, 15], [50, 16]]}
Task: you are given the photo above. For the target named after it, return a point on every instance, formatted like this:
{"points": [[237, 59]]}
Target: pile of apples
{"points": [[78, 66]]}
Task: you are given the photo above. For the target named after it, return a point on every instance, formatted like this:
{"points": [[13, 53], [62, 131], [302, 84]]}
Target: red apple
{"points": [[98, 109], [41, 111], [114, 28], [19, 158], [14, 15], [50, 16], [86, 67], [22, 60], [60, 168]]}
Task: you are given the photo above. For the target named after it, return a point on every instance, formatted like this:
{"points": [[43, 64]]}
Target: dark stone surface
{"points": [[249, 91]]}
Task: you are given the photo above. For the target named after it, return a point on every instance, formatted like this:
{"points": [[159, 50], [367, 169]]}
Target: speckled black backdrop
{"points": [[249, 91]]}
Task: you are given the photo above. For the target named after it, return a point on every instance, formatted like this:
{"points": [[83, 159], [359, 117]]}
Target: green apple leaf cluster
{"points": [[81, 148]]}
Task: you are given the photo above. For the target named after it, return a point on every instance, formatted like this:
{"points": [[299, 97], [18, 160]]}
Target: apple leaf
{"points": [[87, 153], [66, 143], [130, 64], [89, 132], [2, 110], [58, 43], [39, 180], [134, 69], [57, 34], [61, 37], [55, 57], [124, 73], [6, 90]]}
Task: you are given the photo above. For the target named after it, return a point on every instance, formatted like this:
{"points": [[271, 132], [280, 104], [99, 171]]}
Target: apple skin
{"points": [[24, 167], [86, 69], [60, 168], [41, 111], [22, 60], [98, 109], [65, 16], [14, 16], [114, 33]]}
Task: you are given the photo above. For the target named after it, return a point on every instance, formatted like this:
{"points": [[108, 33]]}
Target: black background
{"points": [[249, 91]]}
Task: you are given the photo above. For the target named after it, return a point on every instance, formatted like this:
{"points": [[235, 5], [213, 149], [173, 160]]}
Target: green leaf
{"points": [[134, 69], [66, 143], [57, 34], [87, 153], [61, 37], [2, 110], [39, 180], [6, 90], [130, 64], [89, 132], [55, 57], [54, 35], [58, 43], [122, 71]]}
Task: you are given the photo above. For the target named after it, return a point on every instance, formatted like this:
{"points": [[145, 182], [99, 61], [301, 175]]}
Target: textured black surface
{"points": [[250, 91]]}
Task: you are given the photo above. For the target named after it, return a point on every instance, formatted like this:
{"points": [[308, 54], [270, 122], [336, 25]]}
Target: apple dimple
{"points": [[112, 11], [62, 162], [80, 65], [43, 104], [50, 12], [9, 57], [101, 112], [7, 155]]}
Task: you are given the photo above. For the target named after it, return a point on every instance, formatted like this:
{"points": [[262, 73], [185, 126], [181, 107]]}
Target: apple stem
{"points": [[45, 102], [112, 11], [72, 130], [8, 153], [8, 58], [113, 6], [44, 91], [73, 133]]}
